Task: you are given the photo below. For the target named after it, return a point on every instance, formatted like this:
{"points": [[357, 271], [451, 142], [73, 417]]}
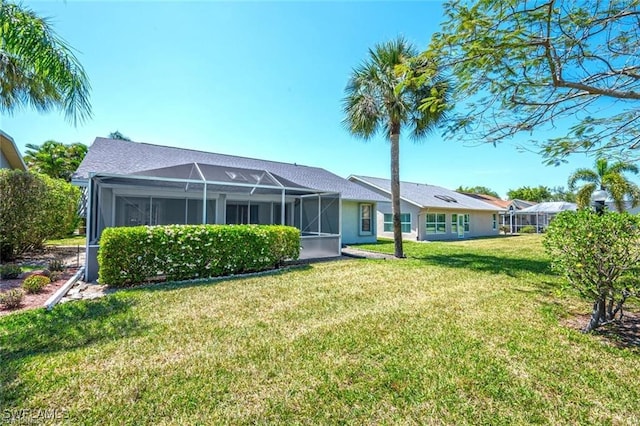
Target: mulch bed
{"points": [[622, 334], [42, 258]]}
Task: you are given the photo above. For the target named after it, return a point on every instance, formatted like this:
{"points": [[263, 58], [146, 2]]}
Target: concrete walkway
{"points": [[364, 254]]}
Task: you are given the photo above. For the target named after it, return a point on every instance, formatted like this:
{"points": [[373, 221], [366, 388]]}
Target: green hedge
{"points": [[132, 255]]}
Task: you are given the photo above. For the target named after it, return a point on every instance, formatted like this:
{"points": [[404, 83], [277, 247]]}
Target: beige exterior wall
{"points": [[480, 223]]}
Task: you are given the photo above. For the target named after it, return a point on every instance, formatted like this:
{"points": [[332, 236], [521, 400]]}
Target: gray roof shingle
{"points": [[126, 158], [428, 196]]}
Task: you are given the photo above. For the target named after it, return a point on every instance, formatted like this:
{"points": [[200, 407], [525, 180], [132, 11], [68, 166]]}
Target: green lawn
{"points": [[75, 240], [459, 333]]}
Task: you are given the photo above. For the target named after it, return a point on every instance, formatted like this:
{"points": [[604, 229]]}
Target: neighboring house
{"points": [[131, 183], [431, 212], [543, 213], [10, 157], [509, 219]]}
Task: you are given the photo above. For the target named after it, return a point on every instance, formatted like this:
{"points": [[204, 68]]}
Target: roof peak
{"points": [[155, 145]]}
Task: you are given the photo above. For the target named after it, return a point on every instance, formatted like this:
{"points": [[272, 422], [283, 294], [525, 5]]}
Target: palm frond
{"points": [[38, 68], [586, 175]]}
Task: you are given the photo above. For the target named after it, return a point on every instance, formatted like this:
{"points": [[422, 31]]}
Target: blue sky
{"points": [[258, 79]]}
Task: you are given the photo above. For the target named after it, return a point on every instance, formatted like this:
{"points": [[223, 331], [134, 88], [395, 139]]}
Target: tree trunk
{"points": [[395, 190], [597, 315]]}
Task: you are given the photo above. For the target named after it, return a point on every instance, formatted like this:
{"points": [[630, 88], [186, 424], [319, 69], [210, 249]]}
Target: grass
{"points": [[75, 240], [459, 333]]}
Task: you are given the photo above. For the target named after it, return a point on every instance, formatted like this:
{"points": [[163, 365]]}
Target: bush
{"points": [[528, 229], [12, 299], [56, 265], [35, 283], [131, 255], [33, 208], [599, 255], [10, 271], [55, 276]]}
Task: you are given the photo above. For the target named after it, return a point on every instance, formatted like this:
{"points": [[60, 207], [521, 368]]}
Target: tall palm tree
{"points": [[395, 89], [37, 68], [609, 178]]}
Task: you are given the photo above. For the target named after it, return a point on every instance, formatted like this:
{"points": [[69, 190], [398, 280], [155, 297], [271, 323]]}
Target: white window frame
{"points": [[437, 223], [405, 223], [454, 222], [361, 219], [495, 221]]}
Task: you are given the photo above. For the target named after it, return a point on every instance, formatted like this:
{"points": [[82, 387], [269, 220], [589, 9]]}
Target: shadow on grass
{"points": [[511, 266], [175, 285], [32, 334], [466, 259], [66, 327]]}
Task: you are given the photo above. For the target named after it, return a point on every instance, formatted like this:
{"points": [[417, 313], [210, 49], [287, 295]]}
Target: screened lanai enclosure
{"points": [[198, 193]]}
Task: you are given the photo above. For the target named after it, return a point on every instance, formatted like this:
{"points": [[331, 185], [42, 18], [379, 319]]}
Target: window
{"points": [[436, 223], [366, 227], [405, 222], [495, 221], [454, 223]]}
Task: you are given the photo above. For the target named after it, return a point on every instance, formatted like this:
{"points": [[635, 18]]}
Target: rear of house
{"points": [[130, 183], [432, 213]]}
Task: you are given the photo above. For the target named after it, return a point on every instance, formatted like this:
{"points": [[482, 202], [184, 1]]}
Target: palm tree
{"points": [[55, 159], [609, 178], [395, 89], [37, 68]]}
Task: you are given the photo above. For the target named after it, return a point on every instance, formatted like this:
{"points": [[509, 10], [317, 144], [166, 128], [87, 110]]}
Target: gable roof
{"points": [[120, 157], [498, 202], [10, 152], [427, 196]]}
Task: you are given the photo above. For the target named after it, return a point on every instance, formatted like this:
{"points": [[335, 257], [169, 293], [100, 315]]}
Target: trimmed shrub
{"points": [[132, 255], [56, 265], [528, 229], [10, 271], [34, 208], [35, 283], [12, 299], [55, 276]]}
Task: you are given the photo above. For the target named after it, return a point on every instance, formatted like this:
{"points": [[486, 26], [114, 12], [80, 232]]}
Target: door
{"points": [[460, 226]]}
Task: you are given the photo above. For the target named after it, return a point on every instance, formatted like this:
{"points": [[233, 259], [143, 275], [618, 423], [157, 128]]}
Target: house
{"points": [[509, 219], [10, 157], [130, 183], [543, 213], [430, 212]]}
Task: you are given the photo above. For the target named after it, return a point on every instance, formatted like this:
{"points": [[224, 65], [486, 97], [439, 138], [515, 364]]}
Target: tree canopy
{"points": [[477, 190], [537, 194], [118, 135], [609, 177], [55, 159], [37, 68], [530, 65], [384, 94]]}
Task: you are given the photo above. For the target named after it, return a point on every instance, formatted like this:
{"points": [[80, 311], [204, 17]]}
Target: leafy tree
{"points": [[38, 68], [477, 190], [559, 193], [521, 66], [538, 194], [119, 136], [381, 97], [34, 208], [609, 178], [55, 159], [599, 255]]}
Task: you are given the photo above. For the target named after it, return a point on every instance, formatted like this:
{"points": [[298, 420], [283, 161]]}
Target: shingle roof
{"points": [[502, 204], [125, 158], [428, 196]]}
